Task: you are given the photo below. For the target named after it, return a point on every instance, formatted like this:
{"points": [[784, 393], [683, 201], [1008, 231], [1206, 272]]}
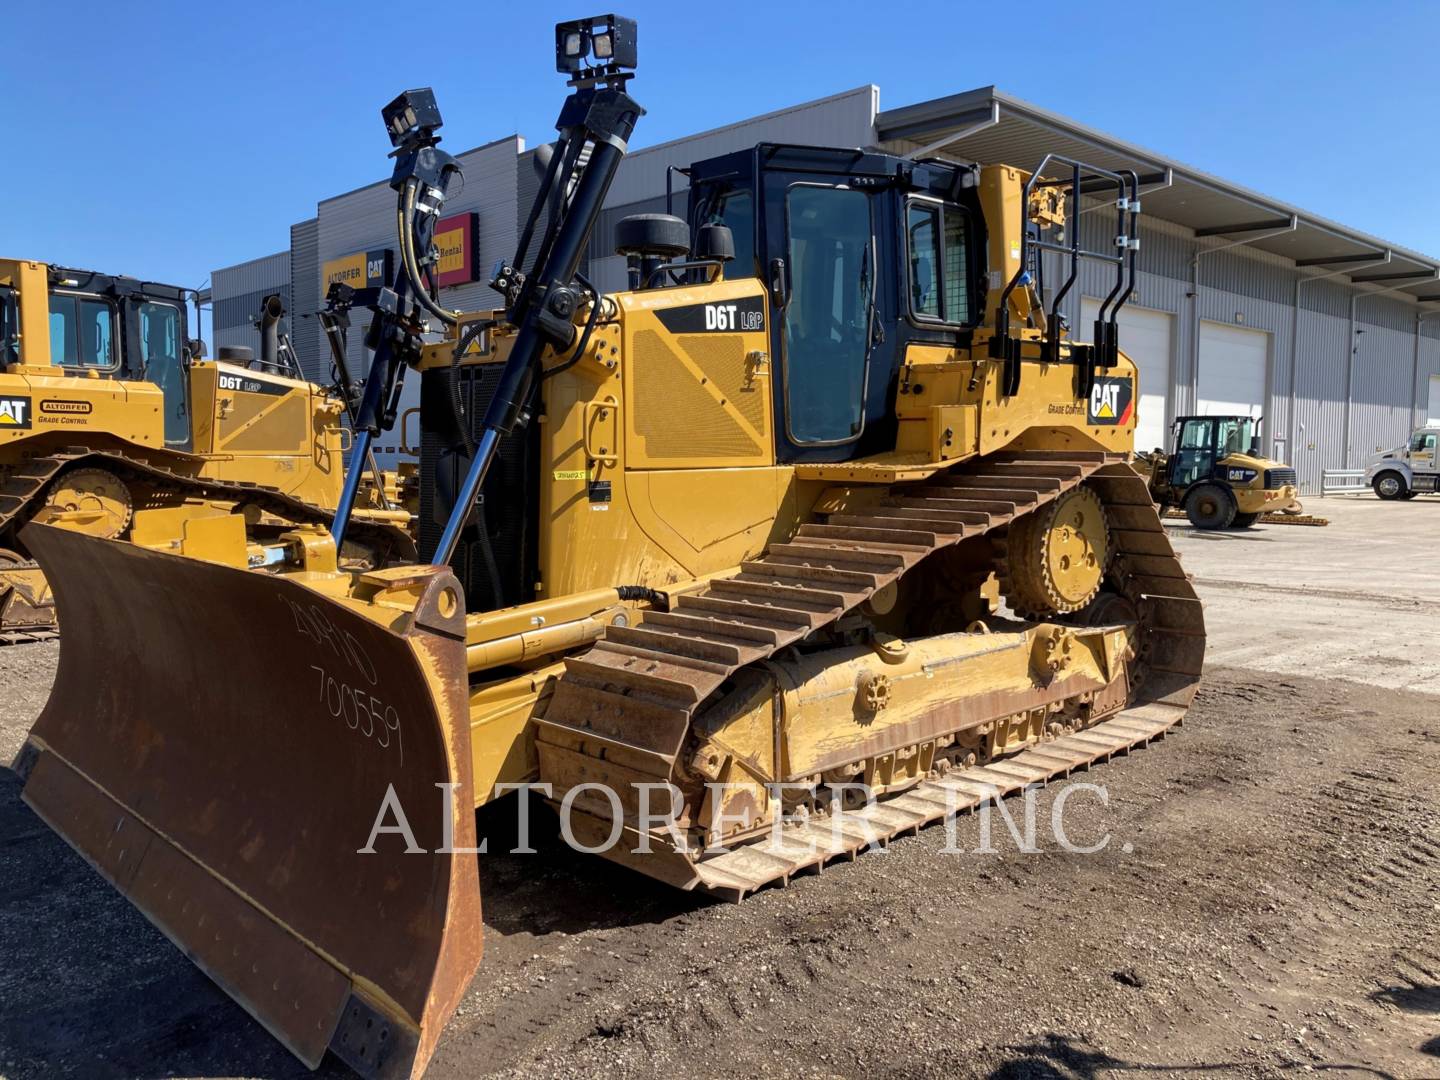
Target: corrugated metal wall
{"points": [[1383, 360], [1322, 374], [236, 293], [305, 300], [1427, 364]]}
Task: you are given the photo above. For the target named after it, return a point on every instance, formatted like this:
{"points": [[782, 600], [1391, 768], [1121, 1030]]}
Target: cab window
{"points": [[9, 329], [1234, 437], [1423, 440], [1195, 435], [737, 210], [82, 332], [937, 237]]}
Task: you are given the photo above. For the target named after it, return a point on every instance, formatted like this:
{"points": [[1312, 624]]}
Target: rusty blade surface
{"points": [[220, 744]]}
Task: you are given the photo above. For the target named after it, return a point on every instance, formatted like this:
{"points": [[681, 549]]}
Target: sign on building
{"points": [[455, 241], [359, 270]]}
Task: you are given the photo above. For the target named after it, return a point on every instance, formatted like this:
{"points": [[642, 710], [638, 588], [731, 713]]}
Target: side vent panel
{"points": [[701, 403]]}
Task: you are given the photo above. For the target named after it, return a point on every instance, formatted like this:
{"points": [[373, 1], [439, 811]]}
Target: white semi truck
{"points": [[1408, 470]]}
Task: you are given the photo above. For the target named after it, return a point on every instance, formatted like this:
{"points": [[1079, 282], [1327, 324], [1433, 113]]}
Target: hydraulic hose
{"points": [[660, 601], [404, 227]]}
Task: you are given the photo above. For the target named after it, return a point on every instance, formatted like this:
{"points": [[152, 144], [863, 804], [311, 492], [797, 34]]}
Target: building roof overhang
{"points": [[989, 126]]}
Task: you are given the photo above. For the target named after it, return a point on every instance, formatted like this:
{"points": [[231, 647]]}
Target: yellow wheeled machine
{"points": [[719, 559], [1217, 475], [106, 409]]}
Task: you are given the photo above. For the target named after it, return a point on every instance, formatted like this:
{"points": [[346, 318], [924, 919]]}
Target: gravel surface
{"points": [[26, 672], [1277, 911], [1267, 905]]}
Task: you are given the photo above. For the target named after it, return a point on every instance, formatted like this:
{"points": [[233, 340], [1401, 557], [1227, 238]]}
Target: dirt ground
{"points": [[1267, 904]]}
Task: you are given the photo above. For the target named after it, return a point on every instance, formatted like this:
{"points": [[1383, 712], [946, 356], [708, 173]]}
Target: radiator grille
{"points": [[1278, 478], [508, 499]]}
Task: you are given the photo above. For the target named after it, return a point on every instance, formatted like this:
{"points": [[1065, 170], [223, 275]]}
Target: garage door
{"points": [[1232, 370], [1147, 338], [1432, 415]]}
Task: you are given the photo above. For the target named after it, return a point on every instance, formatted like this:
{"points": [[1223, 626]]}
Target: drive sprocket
{"points": [[97, 493], [1055, 558]]}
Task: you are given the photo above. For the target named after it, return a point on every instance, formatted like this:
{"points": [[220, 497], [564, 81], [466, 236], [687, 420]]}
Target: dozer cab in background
{"points": [[106, 408], [744, 528], [1214, 472]]}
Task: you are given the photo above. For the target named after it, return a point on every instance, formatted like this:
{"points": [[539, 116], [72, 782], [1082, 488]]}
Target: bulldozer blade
{"points": [[254, 765]]}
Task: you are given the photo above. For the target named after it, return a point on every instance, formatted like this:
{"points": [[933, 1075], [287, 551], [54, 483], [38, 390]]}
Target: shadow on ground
{"points": [[1411, 997], [558, 889], [1060, 1057]]}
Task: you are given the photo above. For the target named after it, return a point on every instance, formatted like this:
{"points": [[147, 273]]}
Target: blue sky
{"points": [[165, 139]]}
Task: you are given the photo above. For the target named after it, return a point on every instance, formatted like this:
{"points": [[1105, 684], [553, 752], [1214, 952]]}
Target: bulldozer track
{"points": [[22, 493], [627, 704]]}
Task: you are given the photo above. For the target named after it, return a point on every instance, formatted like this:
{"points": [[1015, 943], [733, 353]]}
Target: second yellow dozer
{"points": [[718, 560], [107, 407]]}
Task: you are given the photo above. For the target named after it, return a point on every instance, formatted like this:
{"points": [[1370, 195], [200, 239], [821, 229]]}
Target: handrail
{"points": [[1124, 253]]}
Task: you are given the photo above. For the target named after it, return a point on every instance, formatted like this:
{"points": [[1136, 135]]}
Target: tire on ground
{"points": [[1244, 521], [1210, 506], [1390, 485]]}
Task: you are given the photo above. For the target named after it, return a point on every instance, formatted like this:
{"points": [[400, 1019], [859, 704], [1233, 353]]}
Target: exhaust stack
{"points": [[272, 310]]}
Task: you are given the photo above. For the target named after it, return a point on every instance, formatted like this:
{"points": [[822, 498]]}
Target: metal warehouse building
{"points": [[1244, 304]]}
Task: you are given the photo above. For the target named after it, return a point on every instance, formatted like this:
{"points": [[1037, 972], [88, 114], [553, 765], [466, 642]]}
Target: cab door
{"points": [[1423, 463], [825, 240], [1194, 458], [159, 328]]}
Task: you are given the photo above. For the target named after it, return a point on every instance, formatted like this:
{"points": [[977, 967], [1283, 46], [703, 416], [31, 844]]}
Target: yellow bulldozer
{"points": [[106, 409], [821, 530]]}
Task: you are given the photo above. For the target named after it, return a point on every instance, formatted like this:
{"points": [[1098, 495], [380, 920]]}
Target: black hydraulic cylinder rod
{"points": [[336, 339], [564, 261], [561, 264], [367, 421]]}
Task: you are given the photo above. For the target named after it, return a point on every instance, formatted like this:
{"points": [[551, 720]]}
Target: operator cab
{"points": [[861, 253], [121, 328], [1203, 443]]}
